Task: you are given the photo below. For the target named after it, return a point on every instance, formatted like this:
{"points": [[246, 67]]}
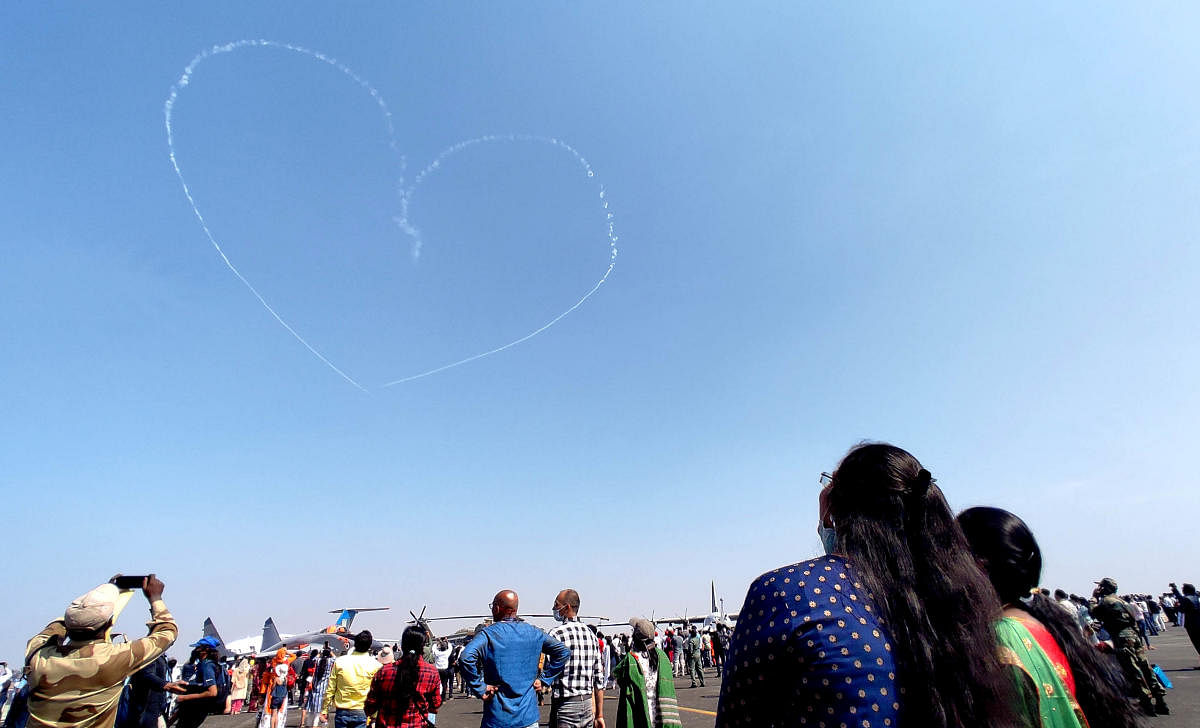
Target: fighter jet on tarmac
{"points": [[210, 630], [336, 636], [244, 647]]}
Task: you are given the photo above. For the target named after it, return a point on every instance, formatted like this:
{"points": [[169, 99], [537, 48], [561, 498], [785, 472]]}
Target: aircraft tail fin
{"points": [[346, 616], [714, 596], [270, 635], [210, 630]]}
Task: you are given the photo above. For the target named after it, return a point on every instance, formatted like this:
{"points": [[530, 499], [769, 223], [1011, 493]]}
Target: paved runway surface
{"points": [[1173, 653]]}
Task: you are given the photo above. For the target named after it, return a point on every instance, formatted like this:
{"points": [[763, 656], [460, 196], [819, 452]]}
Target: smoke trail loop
{"points": [[405, 193]]}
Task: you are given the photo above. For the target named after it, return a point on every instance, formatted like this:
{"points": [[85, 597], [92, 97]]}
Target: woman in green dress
{"points": [[647, 697], [1063, 681]]}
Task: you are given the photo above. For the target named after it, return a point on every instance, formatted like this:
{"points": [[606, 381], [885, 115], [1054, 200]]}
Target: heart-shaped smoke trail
{"points": [[405, 193]]}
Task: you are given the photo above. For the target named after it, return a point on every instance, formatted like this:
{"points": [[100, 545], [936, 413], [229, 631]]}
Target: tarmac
{"points": [[698, 706]]}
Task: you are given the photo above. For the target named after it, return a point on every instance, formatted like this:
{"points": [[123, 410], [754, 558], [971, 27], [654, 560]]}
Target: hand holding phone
{"points": [[125, 583], [150, 585]]}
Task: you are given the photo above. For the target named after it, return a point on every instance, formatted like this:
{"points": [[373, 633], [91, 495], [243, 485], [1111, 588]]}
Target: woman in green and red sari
{"points": [[1062, 681]]}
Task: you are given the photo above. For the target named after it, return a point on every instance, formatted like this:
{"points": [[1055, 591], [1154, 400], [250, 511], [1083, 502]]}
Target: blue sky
{"points": [[967, 231]]}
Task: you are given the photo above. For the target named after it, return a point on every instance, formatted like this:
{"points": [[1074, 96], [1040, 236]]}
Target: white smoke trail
{"points": [[405, 193], [169, 108], [436, 164]]}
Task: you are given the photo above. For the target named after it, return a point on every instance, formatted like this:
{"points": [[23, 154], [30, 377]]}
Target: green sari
{"points": [[1042, 697], [632, 708]]}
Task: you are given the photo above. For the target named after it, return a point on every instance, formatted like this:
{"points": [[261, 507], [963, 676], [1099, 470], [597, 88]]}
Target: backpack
{"points": [[223, 684], [123, 704]]}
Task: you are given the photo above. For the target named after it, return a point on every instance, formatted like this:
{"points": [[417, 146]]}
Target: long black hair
{"points": [[322, 665], [412, 642], [894, 526], [1008, 553]]}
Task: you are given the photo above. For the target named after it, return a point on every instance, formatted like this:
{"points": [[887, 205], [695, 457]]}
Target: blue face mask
{"points": [[558, 616], [828, 539]]}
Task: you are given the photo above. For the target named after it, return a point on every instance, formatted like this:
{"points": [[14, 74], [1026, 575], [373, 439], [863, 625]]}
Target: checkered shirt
{"points": [[382, 699], [585, 670]]}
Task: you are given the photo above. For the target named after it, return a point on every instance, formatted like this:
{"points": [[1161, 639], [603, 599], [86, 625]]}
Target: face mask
{"points": [[558, 616], [828, 539]]}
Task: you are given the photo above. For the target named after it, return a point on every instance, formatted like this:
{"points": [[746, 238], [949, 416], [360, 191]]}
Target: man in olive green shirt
{"points": [[1120, 622]]}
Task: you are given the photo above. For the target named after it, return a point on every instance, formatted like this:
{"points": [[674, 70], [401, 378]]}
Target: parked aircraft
{"points": [[709, 622], [210, 630], [244, 647], [484, 620], [336, 636]]}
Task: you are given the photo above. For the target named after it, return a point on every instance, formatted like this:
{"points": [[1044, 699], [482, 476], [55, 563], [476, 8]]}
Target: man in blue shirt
{"points": [[500, 665], [147, 695]]}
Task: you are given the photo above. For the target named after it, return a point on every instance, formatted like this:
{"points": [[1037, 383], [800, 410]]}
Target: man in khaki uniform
{"points": [[77, 683], [1120, 621]]}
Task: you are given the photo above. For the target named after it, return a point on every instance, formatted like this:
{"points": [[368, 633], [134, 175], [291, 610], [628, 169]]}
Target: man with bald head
{"points": [[500, 665]]}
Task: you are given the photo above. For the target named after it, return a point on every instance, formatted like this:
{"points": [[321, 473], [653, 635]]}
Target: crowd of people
{"points": [[76, 676], [912, 617], [916, 617]]}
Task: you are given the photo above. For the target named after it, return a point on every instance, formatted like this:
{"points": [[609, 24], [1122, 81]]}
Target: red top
{"points": [[382, 697], [1053, 651]]}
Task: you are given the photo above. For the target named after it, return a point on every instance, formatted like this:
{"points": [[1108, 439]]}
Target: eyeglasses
{"points": [[826, 479]]}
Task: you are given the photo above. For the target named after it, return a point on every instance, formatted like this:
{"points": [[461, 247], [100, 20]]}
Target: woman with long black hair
{"points": [[1060, 671], [892, 627], [406, 692], [317, 686]]}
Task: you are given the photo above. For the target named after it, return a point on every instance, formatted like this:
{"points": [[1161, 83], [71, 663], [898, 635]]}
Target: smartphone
{"points": [[128, 582]]}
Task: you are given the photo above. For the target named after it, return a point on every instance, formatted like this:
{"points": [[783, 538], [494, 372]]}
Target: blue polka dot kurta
{"points": [[808, 650]]}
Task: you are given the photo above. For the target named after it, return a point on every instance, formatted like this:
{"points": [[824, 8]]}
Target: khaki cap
{"points": [[642, 627], [92, 610]]}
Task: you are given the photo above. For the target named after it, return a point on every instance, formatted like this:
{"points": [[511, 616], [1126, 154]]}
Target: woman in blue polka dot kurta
{"points": [[812, 646], [808, 646]]}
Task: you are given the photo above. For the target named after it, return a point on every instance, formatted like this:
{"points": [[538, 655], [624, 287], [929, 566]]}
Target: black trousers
{"points": [[193, 713], [1193, 634]]}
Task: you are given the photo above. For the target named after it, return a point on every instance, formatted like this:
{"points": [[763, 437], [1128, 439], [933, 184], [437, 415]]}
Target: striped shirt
{"points": [[585, 670]]}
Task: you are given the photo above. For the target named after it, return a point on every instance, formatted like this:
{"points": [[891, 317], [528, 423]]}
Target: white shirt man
{"points": [[441, 656]]}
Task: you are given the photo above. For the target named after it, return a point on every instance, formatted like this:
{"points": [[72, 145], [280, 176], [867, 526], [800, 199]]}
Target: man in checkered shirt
{"points": [[577, 698]]}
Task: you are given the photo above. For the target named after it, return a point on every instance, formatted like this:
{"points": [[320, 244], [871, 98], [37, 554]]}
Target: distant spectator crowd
{"points": [[913, 616]]}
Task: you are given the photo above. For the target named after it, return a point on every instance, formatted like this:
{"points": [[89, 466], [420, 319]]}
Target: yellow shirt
{"points": [[350, 681]]}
